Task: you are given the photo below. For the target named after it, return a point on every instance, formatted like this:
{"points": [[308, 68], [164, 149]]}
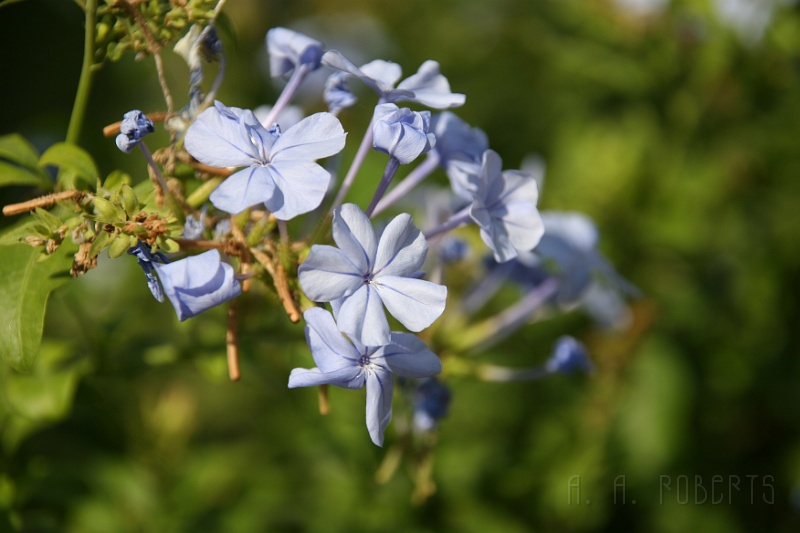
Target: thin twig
{"points": [[245, 259], [281, 283], [232, 345], [324, 404], [45, 201]]}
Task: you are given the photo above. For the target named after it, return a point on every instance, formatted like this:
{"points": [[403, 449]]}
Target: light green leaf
{"points": [[17, 232], [74, 162], [11, 174], [15, 148], [115, 179], [25, 285]]}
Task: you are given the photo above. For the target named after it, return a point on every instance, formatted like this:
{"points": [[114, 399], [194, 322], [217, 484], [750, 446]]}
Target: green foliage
{"points": [[677, 138], [145, 27], [26, 281], [19, 163], [76, 166]]}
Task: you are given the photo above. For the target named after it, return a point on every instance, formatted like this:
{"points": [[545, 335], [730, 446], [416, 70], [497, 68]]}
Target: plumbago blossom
{"points": [[281, 172], [289, 49], [504, 207], [193, 284], [460, 149], [366, 273], [427, 87], [351, 365], [402, 133]]}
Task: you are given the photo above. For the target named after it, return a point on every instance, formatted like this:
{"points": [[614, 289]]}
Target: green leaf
{"points": [[100, 242], [47, 218], [77, 163], [11, 174], [15, 148], [25, 285], [115, 180], [17, 232], [44, 396]]}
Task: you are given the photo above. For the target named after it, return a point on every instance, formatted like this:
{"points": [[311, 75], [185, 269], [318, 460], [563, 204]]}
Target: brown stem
{"points": [[44, 201], [193, 243], [281, 283], [324, 404], [231, 344], [245, 259]]}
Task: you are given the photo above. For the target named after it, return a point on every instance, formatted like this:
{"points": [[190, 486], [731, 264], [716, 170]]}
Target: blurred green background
{"points": [[674, 126]]}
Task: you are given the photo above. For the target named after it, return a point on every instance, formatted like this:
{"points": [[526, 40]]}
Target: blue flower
{"points": [[569, 355], [289, 49], [146, 260], [366, 273], [197, 283], [402, 133], [504, 207], [336, 93], [281, 172], [460, 149], [431, 402], [134, 126], [351, 365], [427, 87], [570, 242]]}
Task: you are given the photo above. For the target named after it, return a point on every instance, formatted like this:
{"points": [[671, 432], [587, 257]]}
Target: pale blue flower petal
{"points": [[361, 317], [416, 303], [300, 187], [401, 133], [331, 350], [407, 356], [328, 274], [246, 188], [219, 138], [336, 92], [197, 283], [402, 248], [381, 79], [504, 207], [353, 233], [289, 49], [385, 72], [320, 135], [379, 403], [431, 88], [352, 377]]}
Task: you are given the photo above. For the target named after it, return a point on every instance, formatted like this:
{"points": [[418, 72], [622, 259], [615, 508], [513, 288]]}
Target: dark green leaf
{"points": [[25, 285], [15, 148], [11, 174], [74, 162]]}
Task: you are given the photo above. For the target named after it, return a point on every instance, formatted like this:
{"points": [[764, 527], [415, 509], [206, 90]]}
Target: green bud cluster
{"points": [[143, 27]]}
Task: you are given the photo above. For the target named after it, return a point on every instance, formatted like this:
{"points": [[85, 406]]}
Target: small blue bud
{"points": [[569, 355]]}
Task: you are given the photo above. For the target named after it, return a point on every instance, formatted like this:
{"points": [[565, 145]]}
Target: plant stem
{"points": [[388, 174], [87, 73]]}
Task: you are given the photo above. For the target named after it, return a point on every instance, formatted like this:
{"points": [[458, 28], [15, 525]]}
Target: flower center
{"points": [[364, 360], [368, 278]]}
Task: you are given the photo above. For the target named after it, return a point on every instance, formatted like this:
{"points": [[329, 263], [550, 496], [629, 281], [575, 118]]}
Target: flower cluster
{"points": [[372, 290]]}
